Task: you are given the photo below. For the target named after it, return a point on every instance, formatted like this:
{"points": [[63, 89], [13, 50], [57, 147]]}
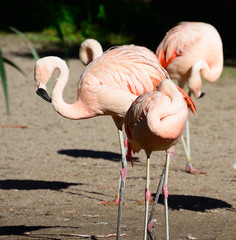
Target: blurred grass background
{"points": [[113, 22], [64, 24]]}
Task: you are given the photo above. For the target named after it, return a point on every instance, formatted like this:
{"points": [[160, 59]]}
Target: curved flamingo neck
{"points": [[212, 73], [165, 124], [75, 110], [90, 49], [209, 73]]}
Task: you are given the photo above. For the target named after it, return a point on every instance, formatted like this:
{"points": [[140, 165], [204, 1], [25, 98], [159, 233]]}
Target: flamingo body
{"points": [[107, 86], [191, 50], [155, 122]]}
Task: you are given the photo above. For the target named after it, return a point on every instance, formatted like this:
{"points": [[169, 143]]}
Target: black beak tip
{"points": [[44, 95], [202, 95]]}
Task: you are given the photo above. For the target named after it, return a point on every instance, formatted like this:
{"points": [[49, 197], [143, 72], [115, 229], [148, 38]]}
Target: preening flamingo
{"points": [[90, 49], [188, 51], [107, 86], [154, 122]]}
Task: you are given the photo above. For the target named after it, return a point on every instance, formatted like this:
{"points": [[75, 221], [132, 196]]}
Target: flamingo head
{"points": [[197, 93], [42, 74], [195, 81]]}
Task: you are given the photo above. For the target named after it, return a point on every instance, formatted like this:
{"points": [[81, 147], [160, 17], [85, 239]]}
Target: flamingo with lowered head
{"points": [[154, 122], [107, 86], [188, 51]]}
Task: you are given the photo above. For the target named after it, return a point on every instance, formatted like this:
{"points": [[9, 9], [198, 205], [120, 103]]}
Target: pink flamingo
{"points": [[154, 122], [90, 49], [108, 86], [188, 51]]}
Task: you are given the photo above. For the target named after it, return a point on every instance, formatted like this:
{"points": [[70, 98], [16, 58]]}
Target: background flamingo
{"points": [[155, 122], [90, 49], [188, 51], [108, 86]]}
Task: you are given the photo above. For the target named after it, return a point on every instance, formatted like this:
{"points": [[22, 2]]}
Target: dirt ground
{"points": [[54, 173]]}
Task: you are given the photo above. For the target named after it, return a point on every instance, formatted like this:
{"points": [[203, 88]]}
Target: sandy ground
{"points": [[54, 173]]}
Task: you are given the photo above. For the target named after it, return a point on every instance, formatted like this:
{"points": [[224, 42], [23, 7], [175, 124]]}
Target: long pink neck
{"points": [[75, 110]]}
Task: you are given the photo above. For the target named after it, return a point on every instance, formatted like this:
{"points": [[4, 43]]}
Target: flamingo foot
{"points": [[190, 169], [114, 202], [151, 231]]}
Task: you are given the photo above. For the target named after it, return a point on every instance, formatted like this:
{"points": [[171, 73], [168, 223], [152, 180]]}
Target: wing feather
{"points": [[177, 40], [133, 68]]}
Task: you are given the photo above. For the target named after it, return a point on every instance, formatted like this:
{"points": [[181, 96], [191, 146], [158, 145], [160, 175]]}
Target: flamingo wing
{"points": [[132, 68], [178, 39]]}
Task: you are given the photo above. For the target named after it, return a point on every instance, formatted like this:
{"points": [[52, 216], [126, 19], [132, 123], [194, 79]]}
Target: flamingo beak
{"points": [[44, 95], [202, 95]]}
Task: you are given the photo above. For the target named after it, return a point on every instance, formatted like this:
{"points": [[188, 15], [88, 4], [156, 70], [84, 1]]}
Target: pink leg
{"points": [[117, 197], [147, 197], [126, 143], [151, 231], [165, 191], [123, 173], [164, 176], [189, 167], [116, 201]]}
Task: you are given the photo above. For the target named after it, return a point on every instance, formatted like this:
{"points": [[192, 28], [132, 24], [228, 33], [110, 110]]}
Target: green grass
{"points": [[4, 82], [4, 61], [29, 44]]}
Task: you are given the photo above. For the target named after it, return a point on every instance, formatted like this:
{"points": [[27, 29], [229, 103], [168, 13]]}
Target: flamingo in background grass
{"points": [[188, 51], [107, 86], [154, 122]]}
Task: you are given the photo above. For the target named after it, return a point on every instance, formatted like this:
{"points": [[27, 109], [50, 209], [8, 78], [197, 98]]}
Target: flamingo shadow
{"points": [[193, 203], [84, 153], [34, 184], [23, 230]]}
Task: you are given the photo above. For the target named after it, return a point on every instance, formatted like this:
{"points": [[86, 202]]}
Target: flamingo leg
{"points": [[165, 193], [124, 147], [147, 197], [123, 153], [187, 145], [150, 227], [122, 183], [117, 196], [189, 166]]}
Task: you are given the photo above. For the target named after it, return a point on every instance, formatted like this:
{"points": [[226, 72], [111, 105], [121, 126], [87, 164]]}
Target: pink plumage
{"points": [[108, 86], [156, 119], [155, 122], [191, 50]]}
